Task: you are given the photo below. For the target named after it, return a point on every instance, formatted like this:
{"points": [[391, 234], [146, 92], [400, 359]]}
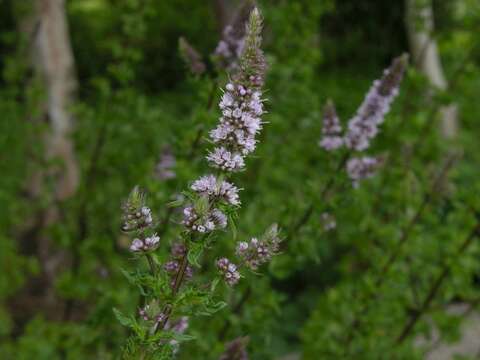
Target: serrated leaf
{"points": [[122, 319], [131, 279], [175, 203], [214, 284], [194, 254], [213, 308]]}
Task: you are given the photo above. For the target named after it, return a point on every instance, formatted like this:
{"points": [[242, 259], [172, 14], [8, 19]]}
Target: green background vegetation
{"points": [[136, 97]]}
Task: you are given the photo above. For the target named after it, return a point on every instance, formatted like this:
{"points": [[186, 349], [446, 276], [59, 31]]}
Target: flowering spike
{"points": [[191, 56], [364, 125], [241, 105], [331, 129]]}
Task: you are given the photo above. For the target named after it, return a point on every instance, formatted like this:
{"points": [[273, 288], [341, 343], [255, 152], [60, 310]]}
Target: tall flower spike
{"points": [[332, 130], [230, 47], [241, 105], [364, 125]]}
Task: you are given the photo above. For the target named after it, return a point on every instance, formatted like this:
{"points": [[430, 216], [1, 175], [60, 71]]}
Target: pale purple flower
{"points": [[225, 160], [148, 244], [257, 252], [363, 127], [171, 266], [212, 187], [164, 170], [332, 138], [150, 312], [178, 250], [137, 245], [362, 168], [218, 218], [143, 312], [204, 223], [178, 326], [229, 271]]}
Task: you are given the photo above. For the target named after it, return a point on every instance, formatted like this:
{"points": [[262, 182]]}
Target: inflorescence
{"points": [[364, 126]]}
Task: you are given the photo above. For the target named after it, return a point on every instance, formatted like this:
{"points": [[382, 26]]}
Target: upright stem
{"points": [[396, 252], [416, 315], [407, 230], [151, 263], [176, 286], [309, 210]]}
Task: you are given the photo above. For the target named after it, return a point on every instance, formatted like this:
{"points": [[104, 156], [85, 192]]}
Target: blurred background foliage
{"points": [[136, 98]]}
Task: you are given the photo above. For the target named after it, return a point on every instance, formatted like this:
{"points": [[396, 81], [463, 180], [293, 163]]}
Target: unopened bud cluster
{"points": [[228, 270], [136, 218], [251, 254], [258, 252]]}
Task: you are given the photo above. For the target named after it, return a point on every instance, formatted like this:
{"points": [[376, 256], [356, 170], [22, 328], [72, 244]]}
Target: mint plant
{"points": [[170, 291]]}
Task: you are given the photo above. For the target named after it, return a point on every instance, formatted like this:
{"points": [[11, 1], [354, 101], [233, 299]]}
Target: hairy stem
{"points": [[176, 286]]}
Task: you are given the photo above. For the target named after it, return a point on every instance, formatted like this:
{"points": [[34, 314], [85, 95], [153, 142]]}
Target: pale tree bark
{"points": [[426, 57], [54, 174], [53, 59]]}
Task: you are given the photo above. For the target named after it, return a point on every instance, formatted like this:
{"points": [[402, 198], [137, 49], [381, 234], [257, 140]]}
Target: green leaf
{"points": [[196, 250], [122, 319]]}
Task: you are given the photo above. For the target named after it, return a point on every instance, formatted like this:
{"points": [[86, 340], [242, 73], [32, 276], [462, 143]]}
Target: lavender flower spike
{"points": [[241, 105], [332, 130], [364, 125]]}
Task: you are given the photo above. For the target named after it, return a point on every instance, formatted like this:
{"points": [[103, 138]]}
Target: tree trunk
{"points": [[424, 49], [53, 59], [54, 172]]}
